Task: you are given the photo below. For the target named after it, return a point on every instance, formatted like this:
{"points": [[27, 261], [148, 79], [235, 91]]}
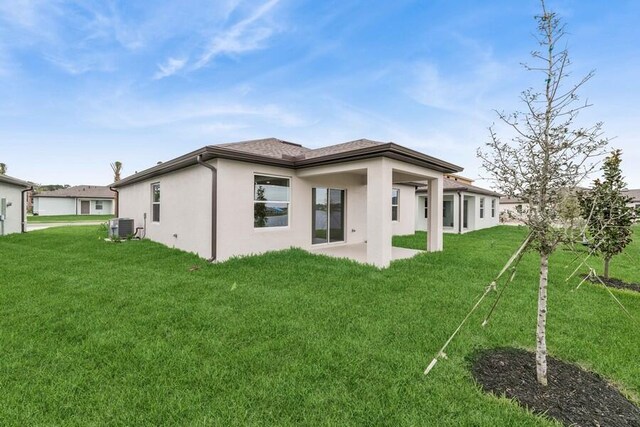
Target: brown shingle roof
{"points": [[451, 185], [270, 147], [276, 152], [342, 148], [14, 181], [80, 191]]}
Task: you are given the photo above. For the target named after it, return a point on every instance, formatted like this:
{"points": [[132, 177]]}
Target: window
{"points": [[155, 202], [447, 213], [519, 209], [426, 207], [395, 201], [493, 208], [481, 207], [98, 205], [271, 200]]}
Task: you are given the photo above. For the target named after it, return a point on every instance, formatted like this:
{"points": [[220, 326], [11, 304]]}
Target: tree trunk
{"points": [[606, 267], [541, 338]]}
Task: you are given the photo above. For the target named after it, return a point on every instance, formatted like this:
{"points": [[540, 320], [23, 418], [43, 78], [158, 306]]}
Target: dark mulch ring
{"points": [[615, 283], [573, 396]]}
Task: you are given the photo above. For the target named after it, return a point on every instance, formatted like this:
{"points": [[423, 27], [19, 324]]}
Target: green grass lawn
{"points": [[131, 334], [67, 218]]}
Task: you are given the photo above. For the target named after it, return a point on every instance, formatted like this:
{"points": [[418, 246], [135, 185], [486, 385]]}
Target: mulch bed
{"points": [[616, 283], [573, 396]]}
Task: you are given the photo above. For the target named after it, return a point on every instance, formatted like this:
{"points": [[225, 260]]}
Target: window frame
{"points": [[396, 205], [493, 208], [153, 202], [481, 204], [288, 202], [426, 208], [99, 205]]}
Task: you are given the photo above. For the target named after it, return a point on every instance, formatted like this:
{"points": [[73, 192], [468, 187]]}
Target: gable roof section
{"points": [[6, 179], [80, 192], [449, 185], [276, 152]]}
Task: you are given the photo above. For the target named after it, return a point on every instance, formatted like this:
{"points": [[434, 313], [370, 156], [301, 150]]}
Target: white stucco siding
{"points": [[108, 206], [236, 232], [13, 221], [406, 211], [488, 220], [457, 200], [46, 206], [185, 209]]}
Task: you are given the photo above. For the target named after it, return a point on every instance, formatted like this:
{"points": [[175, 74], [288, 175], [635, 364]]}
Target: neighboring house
{"points": [[250, 197], [12, 204], [78, 200], [511, 209], [465, 207], [635, 200]]}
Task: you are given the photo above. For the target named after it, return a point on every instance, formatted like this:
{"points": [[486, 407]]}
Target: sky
{"points": [[84, 84]]}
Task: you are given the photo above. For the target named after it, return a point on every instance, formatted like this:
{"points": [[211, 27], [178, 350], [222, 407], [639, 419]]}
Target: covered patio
{"points": [[358, 252], [378, 177]]}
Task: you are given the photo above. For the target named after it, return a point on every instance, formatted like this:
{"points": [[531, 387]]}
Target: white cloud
{"points": [[169, 68], [242, 37]]}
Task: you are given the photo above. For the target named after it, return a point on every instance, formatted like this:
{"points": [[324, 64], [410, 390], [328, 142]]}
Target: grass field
{"points": [[67, 218], [138, 334]]}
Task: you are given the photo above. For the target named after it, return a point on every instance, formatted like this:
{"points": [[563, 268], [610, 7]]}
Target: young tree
{"points": [[607, 212], [546, 155], [3, 168], [117, 168]]}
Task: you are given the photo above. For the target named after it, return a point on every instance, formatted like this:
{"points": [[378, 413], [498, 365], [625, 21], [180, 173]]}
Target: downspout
{"points": [[214, 205], [461, 212], [23, 210], [117, 209]]}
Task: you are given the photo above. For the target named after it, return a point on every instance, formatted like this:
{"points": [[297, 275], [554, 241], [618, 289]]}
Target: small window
{"points": [[519, 209], [493, 208], [395, 202], [98, 205], [271, 200], [155, 202], [426, 207], [481, 207]]}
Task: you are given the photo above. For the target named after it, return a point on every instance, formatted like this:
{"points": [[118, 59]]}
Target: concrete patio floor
{"points": [[358, 252]]}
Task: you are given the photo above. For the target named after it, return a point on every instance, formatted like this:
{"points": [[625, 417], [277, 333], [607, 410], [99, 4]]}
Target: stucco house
{"points": [[13, 209], [77, 200], [465, 207], [254, 196]]}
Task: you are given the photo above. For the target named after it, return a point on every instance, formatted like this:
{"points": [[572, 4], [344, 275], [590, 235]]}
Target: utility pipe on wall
{"points": [[214, 205]]}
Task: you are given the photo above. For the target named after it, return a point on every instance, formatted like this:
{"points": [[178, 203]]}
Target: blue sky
{"points": [[87, 83]]}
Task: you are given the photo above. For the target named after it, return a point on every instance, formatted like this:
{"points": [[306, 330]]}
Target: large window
{"points": [[395, 203], [481, 207], [98, 205], [271, 199], [493, 208], [155, 202]]}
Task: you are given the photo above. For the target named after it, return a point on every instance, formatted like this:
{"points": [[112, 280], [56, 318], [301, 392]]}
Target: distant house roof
{"points": [[449, 185], [6, 179], [276, 152], [510, 201], [634, 194], [80, 191]]}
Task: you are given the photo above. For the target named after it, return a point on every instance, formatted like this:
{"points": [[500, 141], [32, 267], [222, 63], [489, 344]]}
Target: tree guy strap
{"points": [[492, 286]]}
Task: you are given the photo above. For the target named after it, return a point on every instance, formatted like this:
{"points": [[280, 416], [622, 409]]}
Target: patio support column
{"points": [[434, 226], [379, 232]]}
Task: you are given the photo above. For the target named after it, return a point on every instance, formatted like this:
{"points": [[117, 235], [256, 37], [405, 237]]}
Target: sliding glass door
{"points": [[327, 220]]}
